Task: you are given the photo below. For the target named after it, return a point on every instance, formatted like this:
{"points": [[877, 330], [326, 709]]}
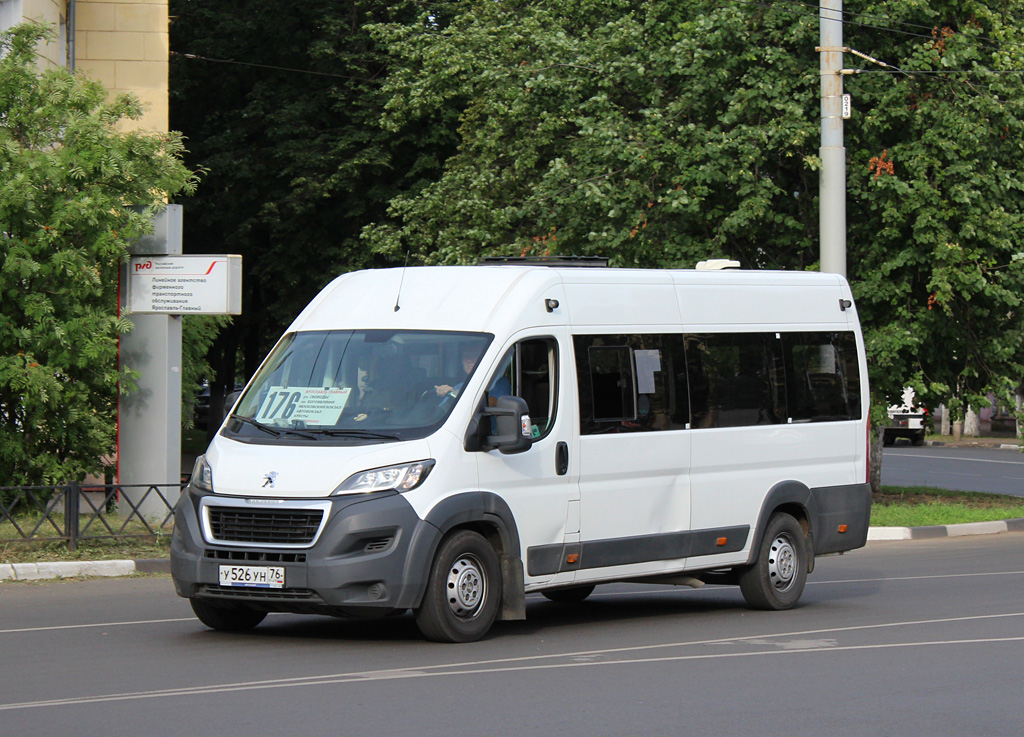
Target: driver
{"points": [[469, 359]]}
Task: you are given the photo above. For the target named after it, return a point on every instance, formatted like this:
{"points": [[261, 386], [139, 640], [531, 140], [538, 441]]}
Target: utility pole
{"points": [[832, 180]]}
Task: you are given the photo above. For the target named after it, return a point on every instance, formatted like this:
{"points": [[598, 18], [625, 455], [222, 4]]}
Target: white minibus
{"points": [[448, 439]]}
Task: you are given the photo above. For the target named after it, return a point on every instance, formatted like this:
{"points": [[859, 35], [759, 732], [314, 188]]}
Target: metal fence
{"points": [[74, 512]]}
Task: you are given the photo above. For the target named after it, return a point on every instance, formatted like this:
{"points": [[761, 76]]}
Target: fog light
{"points": [[377, 591]]}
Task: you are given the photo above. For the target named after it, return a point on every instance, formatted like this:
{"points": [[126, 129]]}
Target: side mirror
{"points": [[511, 421]]}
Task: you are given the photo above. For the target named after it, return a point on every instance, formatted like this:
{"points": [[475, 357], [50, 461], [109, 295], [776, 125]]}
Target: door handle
{"points": [[562, 458]]}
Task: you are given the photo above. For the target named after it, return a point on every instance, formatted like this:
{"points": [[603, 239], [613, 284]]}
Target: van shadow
{"points": [[542, 616]]}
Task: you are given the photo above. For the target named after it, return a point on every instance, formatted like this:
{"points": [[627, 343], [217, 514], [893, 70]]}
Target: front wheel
{"points": [[226, 618], [463, 592], [776, 579]]}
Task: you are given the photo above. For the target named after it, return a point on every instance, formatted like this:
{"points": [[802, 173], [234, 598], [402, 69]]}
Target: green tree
{"points": [[653, 133], [662, 133], [75, 190], [936, 206]]}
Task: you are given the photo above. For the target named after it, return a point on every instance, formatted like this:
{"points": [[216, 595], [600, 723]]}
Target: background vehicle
{"points": [[908, 420]]}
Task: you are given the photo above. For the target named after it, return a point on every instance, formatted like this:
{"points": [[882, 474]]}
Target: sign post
{"points": [[158, 286], [185, 285]]}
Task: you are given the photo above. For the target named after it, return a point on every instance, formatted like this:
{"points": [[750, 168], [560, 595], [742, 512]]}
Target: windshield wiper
{"points": [[354, 433], [275, 431], [257, 425]]}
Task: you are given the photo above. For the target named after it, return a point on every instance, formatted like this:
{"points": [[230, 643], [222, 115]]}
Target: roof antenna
{"points": [[401, 281]]}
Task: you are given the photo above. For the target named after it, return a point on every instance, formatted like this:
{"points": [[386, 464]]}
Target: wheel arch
{"points": [[795, 499], [488, 515]]}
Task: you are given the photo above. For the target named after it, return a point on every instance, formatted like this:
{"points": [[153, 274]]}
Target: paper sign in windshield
{"points": [[303, 406]]}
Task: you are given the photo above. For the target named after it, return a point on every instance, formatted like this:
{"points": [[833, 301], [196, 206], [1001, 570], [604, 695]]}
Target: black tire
{"points": [[917, 439], [573, 595], [226, 618], [776, 579], [463, 591], [888, 439]]}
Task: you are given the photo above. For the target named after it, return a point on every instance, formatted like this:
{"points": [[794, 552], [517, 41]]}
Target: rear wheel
{"points": [[226, 618], [776, 579], [573, 595], [463, 591]]}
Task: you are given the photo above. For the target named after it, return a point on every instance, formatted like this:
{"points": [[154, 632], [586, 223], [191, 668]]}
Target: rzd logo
{"points": [[143, 265]]}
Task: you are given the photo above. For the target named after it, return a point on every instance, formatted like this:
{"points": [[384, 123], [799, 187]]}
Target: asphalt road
{"points": [[991, 470], [914, 637]]}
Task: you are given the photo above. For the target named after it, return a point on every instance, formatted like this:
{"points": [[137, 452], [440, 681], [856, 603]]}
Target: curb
{"points": [[117, 568], [943, 443], [927, 533], [80, 568]]}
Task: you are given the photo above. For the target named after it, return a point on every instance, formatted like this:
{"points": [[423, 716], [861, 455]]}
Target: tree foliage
{"points": [[936, 185], [661, 133], [75, 190], [654, 133]]}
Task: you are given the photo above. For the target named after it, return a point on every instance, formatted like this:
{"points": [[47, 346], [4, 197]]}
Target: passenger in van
{"points": [[372, 393], [363, 397]]}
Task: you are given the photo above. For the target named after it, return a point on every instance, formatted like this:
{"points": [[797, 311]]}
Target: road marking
{"points": [[580, 659], [55, 627], [809, 583], [952, 458], [390, 675], [915, 578]]}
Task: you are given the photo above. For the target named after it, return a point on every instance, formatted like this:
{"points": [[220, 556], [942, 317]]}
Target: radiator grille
{"points": [[266, 526]]}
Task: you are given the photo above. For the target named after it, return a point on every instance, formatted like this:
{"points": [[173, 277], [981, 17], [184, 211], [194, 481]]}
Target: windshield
{"points": [[356, 386]]}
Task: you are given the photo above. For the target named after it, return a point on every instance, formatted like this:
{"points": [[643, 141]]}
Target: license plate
{"points": [[260, 577]]}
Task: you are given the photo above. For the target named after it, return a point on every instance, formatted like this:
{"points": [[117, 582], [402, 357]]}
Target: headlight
{"points": [[399, 478], [202, 475]]}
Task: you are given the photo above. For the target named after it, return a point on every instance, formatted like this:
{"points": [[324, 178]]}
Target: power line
{"points": [[263, 66]]}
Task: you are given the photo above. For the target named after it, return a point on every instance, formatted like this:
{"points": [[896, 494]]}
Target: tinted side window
{"points": [[631, 383], [823, 376], [736, 379]]}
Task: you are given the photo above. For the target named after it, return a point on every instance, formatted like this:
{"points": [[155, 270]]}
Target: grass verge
{"points": [[921, 506]]}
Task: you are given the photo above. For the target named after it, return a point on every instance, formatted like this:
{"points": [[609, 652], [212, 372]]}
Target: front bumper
{"points": [[371, 556]]}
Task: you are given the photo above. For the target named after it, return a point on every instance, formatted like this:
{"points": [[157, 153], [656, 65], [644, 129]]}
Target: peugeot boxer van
{"points": [[447, 440]]}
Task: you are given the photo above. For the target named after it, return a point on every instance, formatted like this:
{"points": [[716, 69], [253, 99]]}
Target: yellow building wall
{"points": [[121, 43], [51, 12]]}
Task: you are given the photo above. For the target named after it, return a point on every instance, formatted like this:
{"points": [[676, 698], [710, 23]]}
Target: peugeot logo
{"points": [[269, 479]]}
